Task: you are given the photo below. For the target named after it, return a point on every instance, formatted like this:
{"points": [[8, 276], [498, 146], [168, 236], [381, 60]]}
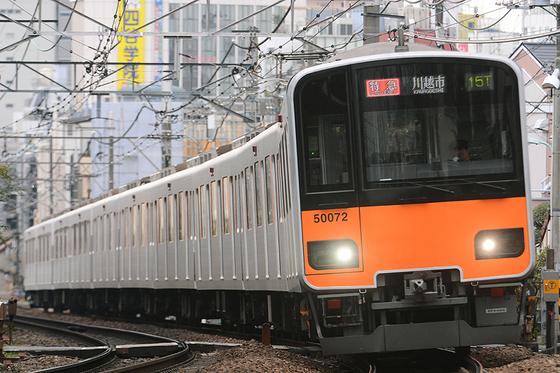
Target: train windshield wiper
{"points": [[484, 184], [431, 187]]}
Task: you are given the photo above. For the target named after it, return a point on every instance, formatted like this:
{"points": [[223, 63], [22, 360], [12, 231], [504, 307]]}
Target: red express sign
{"points": [[383, 87]]}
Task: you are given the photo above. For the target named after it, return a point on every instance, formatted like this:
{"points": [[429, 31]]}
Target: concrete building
{"points": [[536, 60]]}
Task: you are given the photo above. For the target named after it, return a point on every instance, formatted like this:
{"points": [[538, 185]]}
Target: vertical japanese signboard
{"points": [[158, 46], [131, 48]]}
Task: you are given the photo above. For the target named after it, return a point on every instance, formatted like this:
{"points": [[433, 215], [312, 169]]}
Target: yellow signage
{"points": [[131, 48], [551, 286]]}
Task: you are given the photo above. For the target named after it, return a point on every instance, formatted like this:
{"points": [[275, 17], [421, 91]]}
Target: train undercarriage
{"points": [[430, 306]]}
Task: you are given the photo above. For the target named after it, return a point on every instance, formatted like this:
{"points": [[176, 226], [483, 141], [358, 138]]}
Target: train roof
{"points": [[381, 48]]}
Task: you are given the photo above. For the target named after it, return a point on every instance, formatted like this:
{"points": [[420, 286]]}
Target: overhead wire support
{"points": [[485, 41], [19, 23], [83, 15], [246, 17]]}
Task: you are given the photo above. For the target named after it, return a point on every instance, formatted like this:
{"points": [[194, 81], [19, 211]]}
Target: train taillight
{"points": [[333, 304], [497, 292]]}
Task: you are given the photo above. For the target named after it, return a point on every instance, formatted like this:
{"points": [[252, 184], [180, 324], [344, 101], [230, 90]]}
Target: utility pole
{"points": [[550, 275], [111, 152], [371, 23]]}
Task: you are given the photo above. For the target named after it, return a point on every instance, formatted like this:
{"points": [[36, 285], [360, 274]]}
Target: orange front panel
{"points": [[422, 236], [331, 225]]}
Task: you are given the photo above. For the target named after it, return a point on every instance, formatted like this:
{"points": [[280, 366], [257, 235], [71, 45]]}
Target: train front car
{"points": [[415, 204]]}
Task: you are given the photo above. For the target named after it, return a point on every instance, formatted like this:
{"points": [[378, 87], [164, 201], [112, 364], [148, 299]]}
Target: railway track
{"points": [[205, 352], [104, 338], [106, 346], [433, 361]]}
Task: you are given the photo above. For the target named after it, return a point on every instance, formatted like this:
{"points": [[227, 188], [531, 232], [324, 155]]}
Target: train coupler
{"points": [[423, 285]]}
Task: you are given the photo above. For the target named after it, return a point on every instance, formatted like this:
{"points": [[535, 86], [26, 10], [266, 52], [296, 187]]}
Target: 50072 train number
{"points": [[330, 217]]}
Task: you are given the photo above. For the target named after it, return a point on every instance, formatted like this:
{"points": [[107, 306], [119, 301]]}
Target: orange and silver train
{"points": [[390, 202]]}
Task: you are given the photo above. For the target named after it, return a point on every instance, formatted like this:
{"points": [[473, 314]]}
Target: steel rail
{"points": [[61, 327], [80, 366]]}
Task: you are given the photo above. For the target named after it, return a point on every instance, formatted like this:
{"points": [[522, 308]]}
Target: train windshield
{"points": [[437, 121]]}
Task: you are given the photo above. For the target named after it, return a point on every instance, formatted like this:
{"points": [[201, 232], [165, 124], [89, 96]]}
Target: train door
{"points": [[331, 226]]}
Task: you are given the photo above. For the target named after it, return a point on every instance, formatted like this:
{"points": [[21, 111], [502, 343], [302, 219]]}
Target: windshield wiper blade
{"points": [[484, 184], [431, 187]]}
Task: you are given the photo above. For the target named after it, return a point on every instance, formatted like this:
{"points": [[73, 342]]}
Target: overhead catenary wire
{"points": [[214, 83]]}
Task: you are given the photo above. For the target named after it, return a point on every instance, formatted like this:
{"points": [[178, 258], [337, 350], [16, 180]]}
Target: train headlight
{"points": [[489, 245], [499, 243], [333, 254]]}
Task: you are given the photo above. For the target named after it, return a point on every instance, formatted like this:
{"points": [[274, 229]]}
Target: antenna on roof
{"points": [[401, 47]]}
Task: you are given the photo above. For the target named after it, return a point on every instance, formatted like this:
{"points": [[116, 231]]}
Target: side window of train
{"points": [[286, 173], [65, 242], [324, 138], [268, 187], [102, 232], [236, 205], [161, 220], [108, 231], [74, 239], [48, 246], [248, 197], [94, 236], [258, 192], [202, 210], [142, 225], [124, 228], [214, 208], [111, 230], [181, 216], [87, 237], [191, 223], [226, 204], [134, 226], [79, 239], [282, 183], [170, 217]]}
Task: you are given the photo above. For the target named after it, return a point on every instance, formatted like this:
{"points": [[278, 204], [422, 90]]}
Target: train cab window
{"points": [[438, 122], [323, 120]]}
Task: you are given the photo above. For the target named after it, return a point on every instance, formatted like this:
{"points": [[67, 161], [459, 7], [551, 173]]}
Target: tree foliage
{"points": [[540, 215], [7, 189]]}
